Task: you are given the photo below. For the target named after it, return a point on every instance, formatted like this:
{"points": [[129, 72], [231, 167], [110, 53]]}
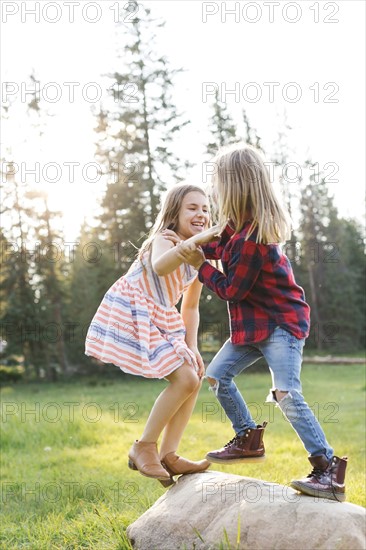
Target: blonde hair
{"points": [[243, 189], [169, 213]]}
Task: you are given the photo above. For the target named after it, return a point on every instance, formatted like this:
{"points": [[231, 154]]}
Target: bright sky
{"points": [[305, 49]]}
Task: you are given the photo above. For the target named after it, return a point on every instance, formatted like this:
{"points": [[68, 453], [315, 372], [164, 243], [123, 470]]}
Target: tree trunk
{"points": [[314, 305]]}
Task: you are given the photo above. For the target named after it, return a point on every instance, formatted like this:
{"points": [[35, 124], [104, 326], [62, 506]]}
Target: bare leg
{"points": [[280, 395], [174, 429], [182, 383]]}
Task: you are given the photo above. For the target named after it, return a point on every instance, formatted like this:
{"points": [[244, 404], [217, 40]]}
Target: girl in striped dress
{"points": [[138, 328]]}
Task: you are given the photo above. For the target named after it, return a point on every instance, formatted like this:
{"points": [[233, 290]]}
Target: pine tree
{"points": [[135, 132], [91, 275], [251, 134], [330, 268], [20, 318], [49, 274], [343, 296], [33, 281], [222, 127], [290, 191]]}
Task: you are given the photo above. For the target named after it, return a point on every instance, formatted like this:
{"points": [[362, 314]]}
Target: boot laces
{"points": [[316, 472], [235, 439], [332, 468]]}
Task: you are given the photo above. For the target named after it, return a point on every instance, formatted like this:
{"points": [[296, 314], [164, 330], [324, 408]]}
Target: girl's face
{"points": [[194, 215]]}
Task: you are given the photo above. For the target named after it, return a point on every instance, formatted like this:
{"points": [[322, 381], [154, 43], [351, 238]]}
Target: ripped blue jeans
{"points": [[283, 353]]}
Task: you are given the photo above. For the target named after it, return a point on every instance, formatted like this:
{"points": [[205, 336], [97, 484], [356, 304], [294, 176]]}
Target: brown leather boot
{"points": [[326, 479], [144, 458], [248, 447], [176, 465]]}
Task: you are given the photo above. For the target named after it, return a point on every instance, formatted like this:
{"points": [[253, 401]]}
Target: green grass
{"points": [[64, 477]]}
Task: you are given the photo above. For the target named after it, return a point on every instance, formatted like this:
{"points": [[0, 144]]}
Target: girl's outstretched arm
{"points": [[207, 236], [165, 256], [212, 240]]}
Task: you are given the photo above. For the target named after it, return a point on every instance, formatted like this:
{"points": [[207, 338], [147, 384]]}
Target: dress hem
{"points": [[152, 376]]}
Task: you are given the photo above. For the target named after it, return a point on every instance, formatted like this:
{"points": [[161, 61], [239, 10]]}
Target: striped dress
{"points": [[137, 326]]}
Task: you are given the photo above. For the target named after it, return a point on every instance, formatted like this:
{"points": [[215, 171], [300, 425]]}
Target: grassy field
{"points": [[64, 477]]}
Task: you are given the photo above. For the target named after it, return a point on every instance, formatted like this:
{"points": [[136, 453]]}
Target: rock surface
{"points": [[203, 510]]}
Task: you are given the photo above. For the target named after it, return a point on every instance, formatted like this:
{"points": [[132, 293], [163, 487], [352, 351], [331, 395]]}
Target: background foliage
{"points": [[48, 303]]}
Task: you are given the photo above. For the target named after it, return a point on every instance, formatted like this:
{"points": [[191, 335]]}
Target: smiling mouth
{"points": [[199, 225]]}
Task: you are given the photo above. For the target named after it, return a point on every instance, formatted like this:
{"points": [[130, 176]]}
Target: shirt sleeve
{"points": [[243, 268], [213, 251]]}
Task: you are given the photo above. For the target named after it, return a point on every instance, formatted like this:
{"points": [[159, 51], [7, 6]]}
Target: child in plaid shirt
{"points": [[269, 317]]}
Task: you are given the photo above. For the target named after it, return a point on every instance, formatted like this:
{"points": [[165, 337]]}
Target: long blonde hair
{"points": [[169, 213], [243, 188]]}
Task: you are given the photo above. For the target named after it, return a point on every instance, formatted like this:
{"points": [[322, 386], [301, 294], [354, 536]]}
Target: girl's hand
{"points": [[200, 363], [171, 236], [191, 254], [207, 236]]}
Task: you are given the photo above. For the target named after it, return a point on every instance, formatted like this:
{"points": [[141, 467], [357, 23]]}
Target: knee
{"points": [[211, 381], [190, 382], [213, 376], [291, 404], [279, 395], [214, 384]]}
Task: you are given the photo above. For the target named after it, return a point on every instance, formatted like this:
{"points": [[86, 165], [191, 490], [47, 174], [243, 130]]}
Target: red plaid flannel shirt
{"points": [[259, 286]]}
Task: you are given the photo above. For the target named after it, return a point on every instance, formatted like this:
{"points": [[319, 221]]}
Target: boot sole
{"points": [[166, 482], [329, 495], [250, 459]]}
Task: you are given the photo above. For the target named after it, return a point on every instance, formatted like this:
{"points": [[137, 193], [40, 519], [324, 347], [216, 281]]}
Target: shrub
{"points": [[11, 373]]}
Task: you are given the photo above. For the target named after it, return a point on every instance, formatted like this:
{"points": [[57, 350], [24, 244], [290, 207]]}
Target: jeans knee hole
{"points": [[214, 385], [279, 401]]}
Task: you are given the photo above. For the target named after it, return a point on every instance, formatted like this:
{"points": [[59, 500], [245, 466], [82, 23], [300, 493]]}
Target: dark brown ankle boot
{"points": [[326, 479], [248, 447]]}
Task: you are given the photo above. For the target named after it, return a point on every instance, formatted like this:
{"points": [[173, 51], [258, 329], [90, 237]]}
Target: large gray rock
{"points": [[203, 510]]}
